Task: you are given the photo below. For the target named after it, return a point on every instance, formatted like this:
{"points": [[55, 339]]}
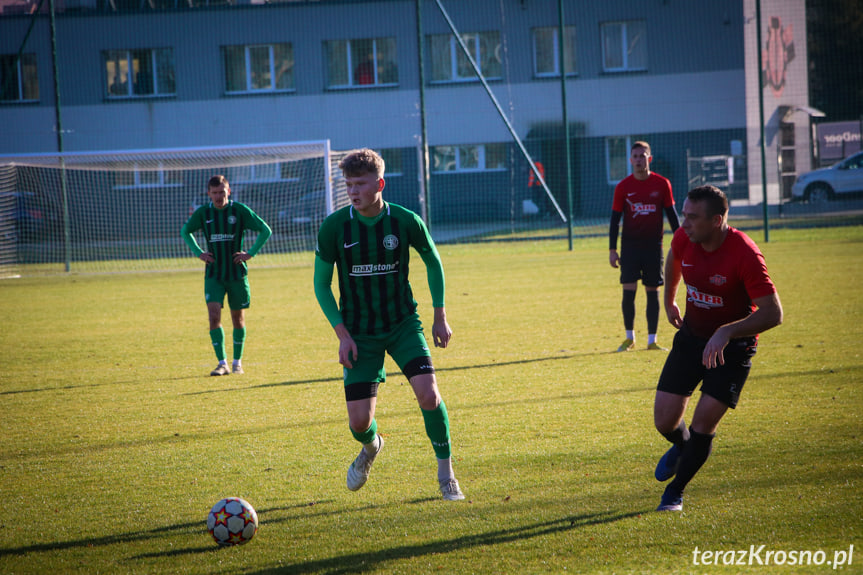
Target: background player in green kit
{"points": [[368, 241], [224, 223]]}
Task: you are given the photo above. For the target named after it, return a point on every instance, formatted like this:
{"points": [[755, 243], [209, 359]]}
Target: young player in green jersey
{"points": [[369, 243], [224, 223]]}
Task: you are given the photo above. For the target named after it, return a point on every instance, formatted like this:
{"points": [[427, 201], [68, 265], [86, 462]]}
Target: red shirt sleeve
{"points": [[619, 201], [754, 273]]}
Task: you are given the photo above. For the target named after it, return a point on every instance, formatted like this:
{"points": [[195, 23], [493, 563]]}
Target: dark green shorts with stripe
{"points": [[405, 343]]}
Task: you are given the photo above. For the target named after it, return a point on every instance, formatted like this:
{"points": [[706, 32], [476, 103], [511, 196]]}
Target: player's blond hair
{"points": [[363, 161]]}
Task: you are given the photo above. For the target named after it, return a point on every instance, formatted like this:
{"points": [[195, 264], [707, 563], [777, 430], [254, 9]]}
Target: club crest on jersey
{"points": [[391, 242], [232, 220], [717, 280]]}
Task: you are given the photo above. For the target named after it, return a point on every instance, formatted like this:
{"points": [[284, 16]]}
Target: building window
{"points": [[617, 152], [469, 158], [262, 173], [19, 81], [624, 46], [449, 64], [546, 51], [138, 177], [367, 62], [262, 68], [393, 161], [135, 73]]}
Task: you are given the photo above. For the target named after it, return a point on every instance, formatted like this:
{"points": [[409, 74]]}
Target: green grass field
{"points": [[116, 441]]}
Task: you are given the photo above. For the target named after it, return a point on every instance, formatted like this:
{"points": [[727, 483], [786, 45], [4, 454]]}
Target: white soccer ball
{"points": [[232, 521]]}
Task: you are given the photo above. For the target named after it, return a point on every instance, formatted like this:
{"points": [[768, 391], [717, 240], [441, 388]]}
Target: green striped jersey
{"points": [[372, 265], [223, 231]]}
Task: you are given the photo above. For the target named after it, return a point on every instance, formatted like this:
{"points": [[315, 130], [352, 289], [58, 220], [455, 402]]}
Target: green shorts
{"points": [[405, 344], [239, 293]]}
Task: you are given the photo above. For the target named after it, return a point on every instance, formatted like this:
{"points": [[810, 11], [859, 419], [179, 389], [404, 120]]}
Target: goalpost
{"points": [[122, 211]]}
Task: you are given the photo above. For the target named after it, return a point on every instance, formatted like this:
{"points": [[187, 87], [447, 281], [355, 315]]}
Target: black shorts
{"points": [[683, 368], [643, 262]]}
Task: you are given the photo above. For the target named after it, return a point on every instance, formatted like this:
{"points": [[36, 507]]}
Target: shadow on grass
{"points": [[372, 560], [394, 374], [369, 561], [352, 563], [138, 536]]}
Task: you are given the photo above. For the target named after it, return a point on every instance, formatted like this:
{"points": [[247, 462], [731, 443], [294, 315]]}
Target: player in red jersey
{"points": [[640, 199], [730, 299]]}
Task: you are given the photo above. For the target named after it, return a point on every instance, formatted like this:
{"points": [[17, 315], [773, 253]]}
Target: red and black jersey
{"points": [[642, 203], [720, 285]]}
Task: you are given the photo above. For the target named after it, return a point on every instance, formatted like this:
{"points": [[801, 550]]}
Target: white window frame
{"points": [[388, 154], [633, 34], [568, 31], [22, 78], [258, 174], [247, 68], [129, 90], [140, 182], [351, 65], [460, 151], [455, 52], [628, 141]]}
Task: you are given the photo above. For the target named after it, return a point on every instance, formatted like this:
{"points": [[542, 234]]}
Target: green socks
{"points": [[368, 436], [437, 429], [239, 340], [217, 336]]}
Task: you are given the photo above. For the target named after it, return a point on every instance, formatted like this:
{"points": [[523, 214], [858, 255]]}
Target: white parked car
{"points": [[845, 177]]}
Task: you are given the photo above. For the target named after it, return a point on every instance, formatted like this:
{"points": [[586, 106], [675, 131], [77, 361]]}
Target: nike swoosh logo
{"points": [[630, 195], [209, 221], [347, 246], [686, 265]]}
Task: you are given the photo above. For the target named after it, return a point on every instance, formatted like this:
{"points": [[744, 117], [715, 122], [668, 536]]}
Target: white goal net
{"points": [[122, 211]]}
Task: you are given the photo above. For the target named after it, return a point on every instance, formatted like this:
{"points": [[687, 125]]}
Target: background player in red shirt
{"points": [[730, 299], [640, 199]]}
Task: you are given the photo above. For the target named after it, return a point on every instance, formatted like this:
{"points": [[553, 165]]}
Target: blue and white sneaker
{"points": [[668, 464], [672, 500]]}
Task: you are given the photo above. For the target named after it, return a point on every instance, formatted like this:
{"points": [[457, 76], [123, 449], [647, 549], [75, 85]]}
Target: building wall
{"points": [[692, 96], [785, 80]]}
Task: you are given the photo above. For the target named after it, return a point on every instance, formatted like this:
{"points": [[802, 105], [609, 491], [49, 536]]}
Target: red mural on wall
{"points": [[777, 55]]}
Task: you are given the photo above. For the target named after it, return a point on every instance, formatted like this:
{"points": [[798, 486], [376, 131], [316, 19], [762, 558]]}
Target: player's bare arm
{"points": [[768, 314], [441, 331], [347, 346], [673, 275]]}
